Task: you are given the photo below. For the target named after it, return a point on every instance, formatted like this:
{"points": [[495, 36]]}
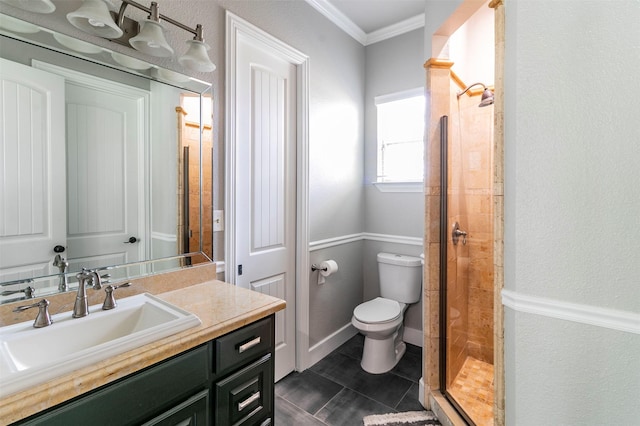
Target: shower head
{"points": [[487, 98], [487, 95]]}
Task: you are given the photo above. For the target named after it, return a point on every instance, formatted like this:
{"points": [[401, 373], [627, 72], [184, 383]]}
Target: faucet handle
{"points": [[43, 318], [110, 300], [29, 292]]}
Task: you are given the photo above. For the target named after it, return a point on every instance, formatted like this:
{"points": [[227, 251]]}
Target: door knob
{"points": [[131, 240]]}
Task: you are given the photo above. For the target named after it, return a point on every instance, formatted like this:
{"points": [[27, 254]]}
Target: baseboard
{"points": [[331, 343], [413, 336]]}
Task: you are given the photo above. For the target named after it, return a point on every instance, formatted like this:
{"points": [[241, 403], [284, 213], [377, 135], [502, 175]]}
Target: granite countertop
{"points": [[221, 307]]}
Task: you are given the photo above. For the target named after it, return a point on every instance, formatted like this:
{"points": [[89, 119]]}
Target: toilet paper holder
{"points": [[325, 269]]}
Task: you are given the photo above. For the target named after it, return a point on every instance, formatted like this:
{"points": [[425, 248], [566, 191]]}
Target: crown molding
{"points": [[347, 25], [396, 29], [339, 18]]}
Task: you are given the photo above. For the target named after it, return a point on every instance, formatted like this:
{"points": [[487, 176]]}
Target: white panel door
{"points": [[32, 175], [265, 184], [105, 146]]}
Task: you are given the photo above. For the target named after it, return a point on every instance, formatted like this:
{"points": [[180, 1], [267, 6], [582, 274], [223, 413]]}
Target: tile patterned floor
{"points": [[473, 390], [337, 392]]}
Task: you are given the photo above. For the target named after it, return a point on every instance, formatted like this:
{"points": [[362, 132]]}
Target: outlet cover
{"points": [[218, 220]]}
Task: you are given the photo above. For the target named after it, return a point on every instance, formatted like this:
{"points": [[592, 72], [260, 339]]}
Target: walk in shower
{"points": [[466, 260]]}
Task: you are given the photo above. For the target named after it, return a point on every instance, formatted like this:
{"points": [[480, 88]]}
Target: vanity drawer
{"points": [[192, 412], [246, 397], [241, 346], [136, 398]]}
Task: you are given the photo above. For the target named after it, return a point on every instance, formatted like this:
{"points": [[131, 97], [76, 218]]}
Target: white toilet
{"points": [[380, 319]]}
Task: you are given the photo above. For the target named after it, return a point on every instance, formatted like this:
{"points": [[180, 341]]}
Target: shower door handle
{"points": [[456, 233]]}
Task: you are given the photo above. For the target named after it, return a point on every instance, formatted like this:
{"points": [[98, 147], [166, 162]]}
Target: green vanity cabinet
{"points": [[228, 381]]}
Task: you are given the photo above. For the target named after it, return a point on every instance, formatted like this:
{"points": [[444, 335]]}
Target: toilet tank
{"points": [[400, 277]]}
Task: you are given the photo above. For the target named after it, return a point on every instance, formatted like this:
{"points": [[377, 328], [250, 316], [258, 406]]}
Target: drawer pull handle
{"points": [[249, 345], [242, 405]]}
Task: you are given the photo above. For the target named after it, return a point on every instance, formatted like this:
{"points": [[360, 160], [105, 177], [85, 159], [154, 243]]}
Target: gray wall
{"points": [[392, 65], [571, 185], [332, 303]]}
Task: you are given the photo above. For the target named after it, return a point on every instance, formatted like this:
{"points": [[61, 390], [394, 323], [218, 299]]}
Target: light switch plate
{"points": [[218, 220]]}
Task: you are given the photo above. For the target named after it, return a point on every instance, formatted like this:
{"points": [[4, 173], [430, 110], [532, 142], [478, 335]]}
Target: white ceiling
{"points": [[370, 21]]}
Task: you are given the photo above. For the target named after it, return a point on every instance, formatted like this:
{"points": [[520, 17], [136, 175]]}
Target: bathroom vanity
{"points": [[220, 372], [226, 381]]}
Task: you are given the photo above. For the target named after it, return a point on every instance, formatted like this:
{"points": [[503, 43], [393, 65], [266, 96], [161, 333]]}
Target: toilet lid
{"points": [[377, 310]]}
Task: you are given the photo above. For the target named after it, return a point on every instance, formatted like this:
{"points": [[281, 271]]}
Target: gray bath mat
{"points": [[409, 418]]}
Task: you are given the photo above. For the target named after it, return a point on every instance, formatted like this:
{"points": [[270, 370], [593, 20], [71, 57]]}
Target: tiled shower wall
{"points": [[470, 266], [191, 139]]}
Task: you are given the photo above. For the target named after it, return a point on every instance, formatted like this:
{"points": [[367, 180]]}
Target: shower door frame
{"points": [[444, 238]]}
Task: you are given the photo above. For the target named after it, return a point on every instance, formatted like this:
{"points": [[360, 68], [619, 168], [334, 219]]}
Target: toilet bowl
{"points": [[381, 319]]}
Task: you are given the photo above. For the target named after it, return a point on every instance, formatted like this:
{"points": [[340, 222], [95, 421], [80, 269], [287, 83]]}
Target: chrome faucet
{"points": [[62, 265], [81, 307]]}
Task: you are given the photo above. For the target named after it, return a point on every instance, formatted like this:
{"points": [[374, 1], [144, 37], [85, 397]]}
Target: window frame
{"points": [[396, 185]]}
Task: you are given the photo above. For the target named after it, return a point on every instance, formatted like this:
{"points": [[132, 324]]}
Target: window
{"points": [[400, 136]]}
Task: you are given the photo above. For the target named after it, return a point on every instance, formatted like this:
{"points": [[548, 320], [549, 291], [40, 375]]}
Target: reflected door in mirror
{"points": [[105, 151], [32, 180]]}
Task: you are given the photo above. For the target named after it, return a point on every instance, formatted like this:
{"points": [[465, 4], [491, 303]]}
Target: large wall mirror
{"points": [[106, 164]]}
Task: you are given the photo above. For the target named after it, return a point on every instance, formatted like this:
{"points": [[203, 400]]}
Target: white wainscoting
{"points": [[585, 314], [331, 343], [339, 337]]}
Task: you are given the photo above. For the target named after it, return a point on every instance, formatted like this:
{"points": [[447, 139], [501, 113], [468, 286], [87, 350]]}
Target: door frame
{"points": [[236, 26]]}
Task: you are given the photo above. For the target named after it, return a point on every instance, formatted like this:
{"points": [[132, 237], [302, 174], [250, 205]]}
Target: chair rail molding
{"points": [[584, 314], [351, 238]]}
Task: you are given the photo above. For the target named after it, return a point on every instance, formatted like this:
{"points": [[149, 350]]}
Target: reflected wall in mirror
{"points": [[102, 167]]}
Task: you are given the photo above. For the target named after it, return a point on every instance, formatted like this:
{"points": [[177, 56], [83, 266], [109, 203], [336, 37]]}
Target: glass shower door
{"points": [[467, 264]]}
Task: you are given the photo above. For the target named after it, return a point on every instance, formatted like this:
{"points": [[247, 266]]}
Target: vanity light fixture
{"points": [[94, 17]]}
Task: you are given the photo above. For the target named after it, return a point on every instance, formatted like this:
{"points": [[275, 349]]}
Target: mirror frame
{"points": [[145, 267]]}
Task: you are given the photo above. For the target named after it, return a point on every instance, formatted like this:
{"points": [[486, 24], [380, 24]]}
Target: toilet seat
{"points": [[378, 310]]}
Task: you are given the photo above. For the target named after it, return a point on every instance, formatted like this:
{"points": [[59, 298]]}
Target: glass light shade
{"points": [[197, 58], [93, 17], [17, 26], [37, 6], [77, 45], [150, 40], [129, 62]]}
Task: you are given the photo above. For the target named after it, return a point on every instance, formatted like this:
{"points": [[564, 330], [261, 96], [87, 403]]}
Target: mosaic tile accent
{"points": [[473, 390]]}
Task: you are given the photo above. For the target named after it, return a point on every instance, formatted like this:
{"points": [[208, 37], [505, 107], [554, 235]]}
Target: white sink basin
{"points": [[30, 356]]}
